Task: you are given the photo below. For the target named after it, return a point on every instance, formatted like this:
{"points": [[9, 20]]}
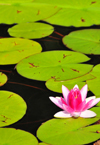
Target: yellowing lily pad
{"points": [[67, 131], [61, 65], [56, 86], [12, 108], [24, 11], [85, 41], [75, 13], [12, 50], [3, 79], [31, 30], [11, 136]]}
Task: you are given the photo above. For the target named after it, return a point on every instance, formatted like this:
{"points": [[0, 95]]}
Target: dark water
{"points": [[35, 93]]}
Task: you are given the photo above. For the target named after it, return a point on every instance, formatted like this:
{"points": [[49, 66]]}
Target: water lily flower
{"points": [[75, 104]]}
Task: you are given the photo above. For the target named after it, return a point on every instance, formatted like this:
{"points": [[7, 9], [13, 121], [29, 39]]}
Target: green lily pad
{"points": [[24, 11], [31, 30], [56, 86], [97, 111], [76, 13], [42, 143], [3, 79], [94, 84], [12, 50], [85, 41], [12, 108], [67, 131], [61, 65], [11, 136]]}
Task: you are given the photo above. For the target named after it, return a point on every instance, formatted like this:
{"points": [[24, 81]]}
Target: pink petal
{"points": [[88, 105], [90, 98], [63, 102], [67, 108], [62, 114], [91, 103], [80, 106], [83, 92], [94, 102], [76, 86], [65, 92], [87, 114], [74, 98], [57, 101]]}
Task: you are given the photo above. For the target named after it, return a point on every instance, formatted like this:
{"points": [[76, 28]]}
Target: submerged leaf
{"points": [[60, 65]]}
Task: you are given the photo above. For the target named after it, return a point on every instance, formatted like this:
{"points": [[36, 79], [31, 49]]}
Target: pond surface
{"points": [[35, 93]]}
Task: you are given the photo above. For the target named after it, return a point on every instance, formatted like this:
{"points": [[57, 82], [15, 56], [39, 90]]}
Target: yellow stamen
{"points": [[76, 97]]}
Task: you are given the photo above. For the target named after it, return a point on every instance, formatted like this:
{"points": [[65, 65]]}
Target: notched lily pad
{"points": [[67, 131], [24, 11], [72, 13], [3, 79], [85, 41], [61, 65], [11, 136], [12, 108], [12, 50], [31, 30], [56, 86]]}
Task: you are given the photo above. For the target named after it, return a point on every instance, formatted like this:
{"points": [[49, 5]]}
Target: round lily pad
{"points": [[3, 79], [94, 84], [12, 50], [11, 136], [61, 65], [76, 13], [67, 131], [56, 86], [24, 11], [31, 30], [12, 108], [85, 41]]}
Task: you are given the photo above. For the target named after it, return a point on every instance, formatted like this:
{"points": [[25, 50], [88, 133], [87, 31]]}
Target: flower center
{"points": [[76, 97]]}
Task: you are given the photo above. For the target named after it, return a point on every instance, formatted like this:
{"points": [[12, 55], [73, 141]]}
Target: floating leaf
{"points": [[3, 79], [31, 30], [67, 131], [12, 108], [24, 11], [11, 136], [42, 143], [75, 13], [85, 41], [54, 64], [97, 111], [56, 86], [12, 50], [94, 84]]}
